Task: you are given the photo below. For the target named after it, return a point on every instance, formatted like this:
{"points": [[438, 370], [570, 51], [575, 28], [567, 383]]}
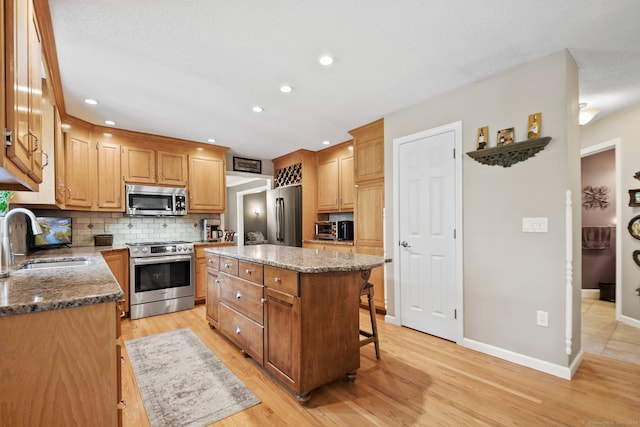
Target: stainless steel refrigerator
{"points": [[284, 216]]}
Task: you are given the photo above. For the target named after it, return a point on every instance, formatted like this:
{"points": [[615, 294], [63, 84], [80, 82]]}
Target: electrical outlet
{"points": [[542, 318]]}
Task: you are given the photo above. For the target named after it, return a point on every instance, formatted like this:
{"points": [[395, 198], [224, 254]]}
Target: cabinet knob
{"points": [[238, 294], [123, 360], [238, 330], [217, 280], [248, 271], [263, 300], [277, 279], [227, 265], [122, 405]]}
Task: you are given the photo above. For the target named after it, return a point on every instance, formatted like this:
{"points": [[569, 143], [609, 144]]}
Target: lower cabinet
{"points": [[201, 269], [118, 262], [302, 327], [61, 367]]}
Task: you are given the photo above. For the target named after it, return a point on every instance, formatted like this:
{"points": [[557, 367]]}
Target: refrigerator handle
{"points": [[281, 219]]}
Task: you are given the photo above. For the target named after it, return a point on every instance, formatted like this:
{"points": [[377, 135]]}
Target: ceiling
{"points": [[193, 69]]}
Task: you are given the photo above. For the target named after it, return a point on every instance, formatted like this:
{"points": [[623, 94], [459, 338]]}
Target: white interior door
{"points": [[426, 221]]}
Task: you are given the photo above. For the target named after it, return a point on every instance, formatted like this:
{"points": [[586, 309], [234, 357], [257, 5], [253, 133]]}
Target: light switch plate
{"points": [[535, 225]]}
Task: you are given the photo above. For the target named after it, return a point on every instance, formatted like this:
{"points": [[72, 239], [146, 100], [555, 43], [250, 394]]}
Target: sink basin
{"points": [[54, 262]]}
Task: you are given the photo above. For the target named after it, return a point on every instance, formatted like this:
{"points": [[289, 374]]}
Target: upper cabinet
{"points": [[368, 143], [142, 165], [207, 183], [336, 191], [21, 97]]}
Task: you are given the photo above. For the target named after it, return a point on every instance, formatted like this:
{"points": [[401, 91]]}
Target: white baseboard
{"points": [[630, 321], [565, 372], [591, 293]]}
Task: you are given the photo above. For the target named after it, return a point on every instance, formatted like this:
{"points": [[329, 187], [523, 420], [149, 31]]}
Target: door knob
{"points": [[405, 244]]}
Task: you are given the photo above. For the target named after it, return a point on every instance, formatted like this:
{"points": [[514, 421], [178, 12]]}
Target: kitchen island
{"points": [[59, 324], [294, 310]]}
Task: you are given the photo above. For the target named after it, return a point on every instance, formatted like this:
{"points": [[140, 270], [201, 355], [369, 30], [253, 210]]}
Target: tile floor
{"points": [[603, 335]]}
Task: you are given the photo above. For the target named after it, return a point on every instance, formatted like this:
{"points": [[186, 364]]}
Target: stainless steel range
{"points": [[162, 278]]}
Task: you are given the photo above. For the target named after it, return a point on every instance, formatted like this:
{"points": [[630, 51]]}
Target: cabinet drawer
{"points": [[213, 261], [247, 334], [229, 265], [283, 280], [251, 271], [242, 295]]}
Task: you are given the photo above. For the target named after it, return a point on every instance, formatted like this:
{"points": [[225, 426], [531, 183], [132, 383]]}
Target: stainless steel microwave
{"points": [[334, 230], [147, 200]]}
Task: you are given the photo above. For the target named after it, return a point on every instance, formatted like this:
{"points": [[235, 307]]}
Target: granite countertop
{"points": [[300, 259], [45, 289]]}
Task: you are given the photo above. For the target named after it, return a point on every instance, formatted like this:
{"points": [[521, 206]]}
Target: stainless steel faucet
{"points": [[6, 257]]}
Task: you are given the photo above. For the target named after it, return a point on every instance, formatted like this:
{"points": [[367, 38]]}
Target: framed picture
{"points": [[483, 138], [634, 197], [535, 122], [241, 164], [634, 227], [505, 137]]}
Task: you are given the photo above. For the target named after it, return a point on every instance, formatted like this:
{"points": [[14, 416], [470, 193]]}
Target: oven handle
{"points": [[161, 259]]}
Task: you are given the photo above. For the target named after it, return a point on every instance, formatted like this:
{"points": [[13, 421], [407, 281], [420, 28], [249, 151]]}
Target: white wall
{"points": [[508, 274], [623, 125]]}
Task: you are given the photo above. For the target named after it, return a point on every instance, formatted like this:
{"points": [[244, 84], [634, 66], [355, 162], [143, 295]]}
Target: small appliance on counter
{"points": [[211, 230], [334, 230]]}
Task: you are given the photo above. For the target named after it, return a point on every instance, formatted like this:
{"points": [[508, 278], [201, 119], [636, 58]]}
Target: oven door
{"points": [[161, 278]]}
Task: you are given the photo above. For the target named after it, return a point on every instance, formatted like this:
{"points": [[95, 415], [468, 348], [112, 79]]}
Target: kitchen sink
{"points": [[54, 262]]}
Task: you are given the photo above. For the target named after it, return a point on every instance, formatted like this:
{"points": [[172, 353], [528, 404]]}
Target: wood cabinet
{"points": [[213, 289], [142, 165], [335, 179], [368, 151], [202, 266], [118, 262], [207, 184], [368, 142], [63, 362], [22, 74], [92, 178], [302, 327]]}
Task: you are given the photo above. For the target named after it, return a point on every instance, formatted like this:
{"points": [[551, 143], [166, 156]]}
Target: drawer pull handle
{"points": [[227, 265], [248, 271], [238, 330], [210, 261], [277, 279], [238, 294], [217, 280], [263, 300]]}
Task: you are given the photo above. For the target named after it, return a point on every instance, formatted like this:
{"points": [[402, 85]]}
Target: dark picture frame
{"points": [[242, 164], [634, 197], [634, 227]]}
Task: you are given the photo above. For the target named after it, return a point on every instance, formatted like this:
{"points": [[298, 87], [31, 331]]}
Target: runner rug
{"points": [[183, 383]]}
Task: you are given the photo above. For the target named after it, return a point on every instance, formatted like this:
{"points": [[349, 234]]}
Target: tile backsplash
{"points": [[123, 228]]}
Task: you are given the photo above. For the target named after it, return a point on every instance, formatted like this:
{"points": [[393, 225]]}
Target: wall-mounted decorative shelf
{"points": [[507, 155]]}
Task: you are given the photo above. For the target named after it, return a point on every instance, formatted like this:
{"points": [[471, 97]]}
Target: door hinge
{"points": [[8, 138], [454, 233], [454, 153], [455, 313]]}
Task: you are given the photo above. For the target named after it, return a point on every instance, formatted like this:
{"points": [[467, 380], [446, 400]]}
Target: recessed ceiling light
{"points": [[285, 89], [211, 140], [91, 101], [109, 122], [325, 142], [326, 60], [257, 109]]}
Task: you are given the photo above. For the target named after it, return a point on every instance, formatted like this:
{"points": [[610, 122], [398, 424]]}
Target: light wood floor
{"points": [[602, 334], [419, 381]]}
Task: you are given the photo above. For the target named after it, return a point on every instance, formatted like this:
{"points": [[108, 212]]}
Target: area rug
{"points": [[183, 383]]}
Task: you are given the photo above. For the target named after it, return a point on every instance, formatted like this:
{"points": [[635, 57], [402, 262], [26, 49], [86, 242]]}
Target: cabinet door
{"points": [[282, 336], [118, 262], [201, 280], [35, 100], [369, 206], [58, 149], [213, 296], [368, 145], [110, 185], [79, 173], [207, 184], [172, 168], [328, 185], [347, 186], [139, 165]]}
